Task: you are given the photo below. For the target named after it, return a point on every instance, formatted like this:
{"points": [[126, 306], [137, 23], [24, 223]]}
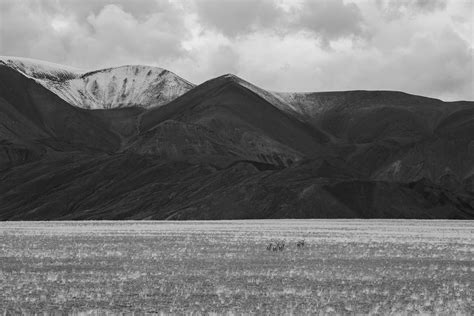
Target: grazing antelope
{"points": [[281, 245], [276, 245], [300, 244], [270, 245]]}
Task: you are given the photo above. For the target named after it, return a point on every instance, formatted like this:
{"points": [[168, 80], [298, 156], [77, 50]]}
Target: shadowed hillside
{"points": [[233, 121], [34, 121], [227, 149]]}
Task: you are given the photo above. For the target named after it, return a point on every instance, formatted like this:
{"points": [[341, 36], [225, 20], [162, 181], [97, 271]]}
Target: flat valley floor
{"points": [[205, 267]]}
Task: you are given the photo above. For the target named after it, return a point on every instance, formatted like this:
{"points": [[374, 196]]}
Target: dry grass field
{"points": [[146, 267]]}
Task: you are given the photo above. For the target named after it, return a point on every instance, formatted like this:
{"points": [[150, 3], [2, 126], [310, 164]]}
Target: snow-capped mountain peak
{"points": [[39, 69], [123, 86], [132, 85]]}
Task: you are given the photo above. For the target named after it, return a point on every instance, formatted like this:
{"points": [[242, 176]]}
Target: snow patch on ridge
{"points": [[124, 86], [39, 69]]}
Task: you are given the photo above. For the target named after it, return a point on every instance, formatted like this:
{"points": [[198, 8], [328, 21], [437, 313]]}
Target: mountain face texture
{"points": [[138, 142], [126, 86]]}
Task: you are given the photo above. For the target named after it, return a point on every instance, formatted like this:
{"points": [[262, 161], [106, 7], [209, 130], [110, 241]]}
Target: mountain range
{"points": [[139, 142]]}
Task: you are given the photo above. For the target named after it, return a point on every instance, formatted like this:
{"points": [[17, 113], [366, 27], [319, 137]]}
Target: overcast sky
{"points": [[419, 46]]}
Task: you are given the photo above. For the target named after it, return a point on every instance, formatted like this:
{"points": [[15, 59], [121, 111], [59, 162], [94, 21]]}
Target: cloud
{"points": [[398, 8], [428, 5], [329, 19], [424, 55], [140, 9], [430, 64], [237, 17], [92, 34], [120, 33], [21, 30], [224, 60], [422, 47]]}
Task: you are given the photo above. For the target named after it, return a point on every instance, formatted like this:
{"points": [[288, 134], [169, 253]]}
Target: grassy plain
{"points": [[348, 266]]}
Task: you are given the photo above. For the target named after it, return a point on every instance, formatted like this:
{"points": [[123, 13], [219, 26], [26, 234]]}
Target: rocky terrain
{"points": [[138, 142]]}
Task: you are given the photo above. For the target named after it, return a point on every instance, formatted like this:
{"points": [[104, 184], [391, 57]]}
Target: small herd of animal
{"points": [[279, 245]]}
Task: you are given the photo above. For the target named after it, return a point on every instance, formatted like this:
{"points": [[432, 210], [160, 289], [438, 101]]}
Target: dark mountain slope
{"points": [[446, 157], [366, 116], [235, 121], [33, 114], [394, 136], [175, 140], [130, 186], [121, 121], [227, 149]]}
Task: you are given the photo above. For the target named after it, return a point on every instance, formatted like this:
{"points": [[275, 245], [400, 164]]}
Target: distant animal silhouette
{"points": [[300, 244], [269, 246], [276, 245], [281, 245]]}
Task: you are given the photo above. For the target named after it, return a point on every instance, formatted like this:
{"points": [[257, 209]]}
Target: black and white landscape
{"points": [[140, 142], [236, 157]]}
